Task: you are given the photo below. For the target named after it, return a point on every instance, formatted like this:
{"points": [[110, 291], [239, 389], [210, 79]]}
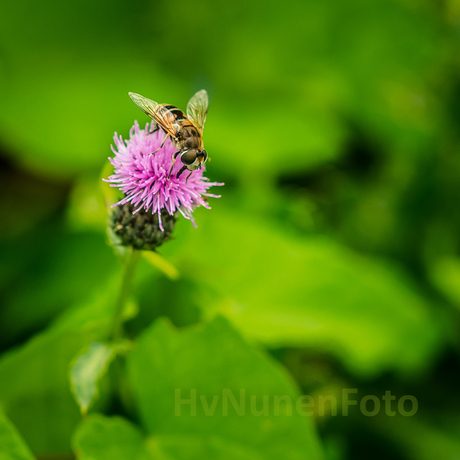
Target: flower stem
{"points": [[129, 270]]}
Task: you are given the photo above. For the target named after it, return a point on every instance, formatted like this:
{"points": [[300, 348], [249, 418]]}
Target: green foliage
{"points": [[321, 294], [293, 70], [86, 371], [13, 447], [34, 382], [425, 439], [101, 438], [54, 275], [213, 366]]}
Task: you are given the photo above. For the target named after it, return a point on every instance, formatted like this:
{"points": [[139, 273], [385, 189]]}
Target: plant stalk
{"points": [[129, 269]]}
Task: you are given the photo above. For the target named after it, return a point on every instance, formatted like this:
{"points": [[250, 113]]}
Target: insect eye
{"points": [[188, 157]]}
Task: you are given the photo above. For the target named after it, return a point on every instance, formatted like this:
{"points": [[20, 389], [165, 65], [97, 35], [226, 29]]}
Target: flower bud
{"points": [[141, 230]]}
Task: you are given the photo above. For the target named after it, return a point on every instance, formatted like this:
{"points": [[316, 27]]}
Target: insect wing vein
{"points": [[197, 109], [156, 111]]}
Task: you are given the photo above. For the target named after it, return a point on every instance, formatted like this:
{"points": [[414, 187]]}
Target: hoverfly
{"points": [[185, 131]]}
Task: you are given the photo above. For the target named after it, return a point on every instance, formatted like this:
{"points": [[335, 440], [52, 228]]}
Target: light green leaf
{"points": [[12, 446], [102, 438], [86, 371], [445, 273], [90, 202], [183, 447], [226, 382], [284, 290], [161, 264]]}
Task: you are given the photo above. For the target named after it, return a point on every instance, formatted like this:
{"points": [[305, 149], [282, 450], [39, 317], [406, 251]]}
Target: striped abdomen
{"points": [[187, 135]]}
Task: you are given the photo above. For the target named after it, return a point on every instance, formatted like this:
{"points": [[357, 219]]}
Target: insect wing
{"points": [[197, 109], [156, 111]]}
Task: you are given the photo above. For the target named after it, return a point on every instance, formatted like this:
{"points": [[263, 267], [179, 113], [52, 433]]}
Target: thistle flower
{"points": [[148, 187]]}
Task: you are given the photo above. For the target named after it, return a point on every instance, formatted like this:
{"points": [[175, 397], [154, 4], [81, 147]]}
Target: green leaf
{"points": [[34, 378], [102, 438], [290, 291], [86, 371], [12, 446], [445, 273], [161, 264], [183, 447], [425, 438], [56, 266], [229, 381]]}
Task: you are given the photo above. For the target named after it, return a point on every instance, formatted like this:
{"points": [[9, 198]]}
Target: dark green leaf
{"points": [[34, 379], [212, 366]]}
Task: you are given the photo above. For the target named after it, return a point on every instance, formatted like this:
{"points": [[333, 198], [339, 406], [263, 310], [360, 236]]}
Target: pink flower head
{"points": [[144, 177]]}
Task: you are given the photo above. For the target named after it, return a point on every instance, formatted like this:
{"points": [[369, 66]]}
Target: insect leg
{"points": [[174, 160], [161, 146], [181, 171], [155, 129], [189, 174]]}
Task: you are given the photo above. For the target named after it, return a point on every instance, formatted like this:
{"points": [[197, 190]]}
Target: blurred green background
{"points": [[334, 250]]}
